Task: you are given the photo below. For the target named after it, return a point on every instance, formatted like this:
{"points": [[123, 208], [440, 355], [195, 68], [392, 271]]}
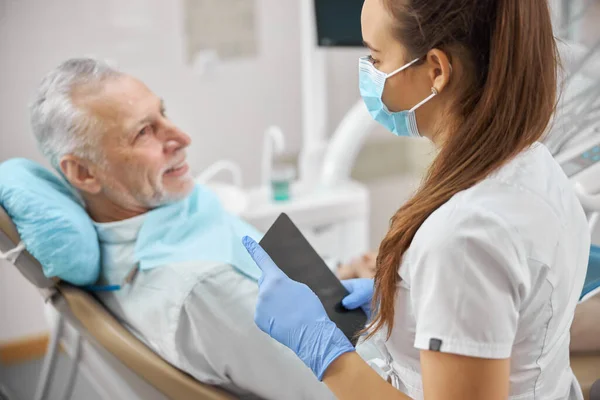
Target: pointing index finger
{"points": [[261, 258]]}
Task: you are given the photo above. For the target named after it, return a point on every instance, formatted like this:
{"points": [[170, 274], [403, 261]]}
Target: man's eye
{"points": [[145, 130]]}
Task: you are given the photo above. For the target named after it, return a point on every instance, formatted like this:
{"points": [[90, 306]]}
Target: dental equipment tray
{"points": [[290, 250]]}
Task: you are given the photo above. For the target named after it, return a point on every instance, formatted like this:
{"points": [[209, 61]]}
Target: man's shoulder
{"points": [[164, 291], [208, 279]]}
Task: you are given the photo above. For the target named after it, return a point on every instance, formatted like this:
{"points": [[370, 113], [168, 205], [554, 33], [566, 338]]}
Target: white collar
{"points": [[119, 231]]}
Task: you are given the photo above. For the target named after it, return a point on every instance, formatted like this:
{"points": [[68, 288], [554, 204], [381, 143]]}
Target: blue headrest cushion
{"points": [[51, 221], [592, 279]]}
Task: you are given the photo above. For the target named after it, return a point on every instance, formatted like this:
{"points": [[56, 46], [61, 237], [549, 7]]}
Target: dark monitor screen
{"points": [[338, 23]]}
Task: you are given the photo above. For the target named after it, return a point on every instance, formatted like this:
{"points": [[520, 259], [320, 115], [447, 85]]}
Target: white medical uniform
{"points": [[495, 273], [199, 316]]}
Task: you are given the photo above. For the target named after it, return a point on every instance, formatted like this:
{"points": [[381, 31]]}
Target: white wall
{"points": [[232, 104], [21, 307], [225, 111]]}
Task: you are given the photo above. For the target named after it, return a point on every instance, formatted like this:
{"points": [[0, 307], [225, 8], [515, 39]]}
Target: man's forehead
{"points": [[116, 101]]}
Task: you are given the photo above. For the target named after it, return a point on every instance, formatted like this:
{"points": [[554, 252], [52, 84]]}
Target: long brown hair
{"points": [[507, 48]]}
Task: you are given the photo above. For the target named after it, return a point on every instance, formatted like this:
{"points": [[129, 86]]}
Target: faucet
{"points": [[273, 137]]}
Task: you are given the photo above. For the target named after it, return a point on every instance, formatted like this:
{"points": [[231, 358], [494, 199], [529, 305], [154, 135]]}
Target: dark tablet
{"points": [[290, 250]]}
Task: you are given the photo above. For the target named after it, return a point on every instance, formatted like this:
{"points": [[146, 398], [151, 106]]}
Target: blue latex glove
{"points": [[291, 313], [361, 294]]}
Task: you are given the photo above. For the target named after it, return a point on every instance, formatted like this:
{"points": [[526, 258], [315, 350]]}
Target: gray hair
{"points": [[60, 127]]}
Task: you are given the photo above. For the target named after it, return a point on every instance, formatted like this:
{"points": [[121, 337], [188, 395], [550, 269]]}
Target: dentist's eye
{"points": [[372, 60]]}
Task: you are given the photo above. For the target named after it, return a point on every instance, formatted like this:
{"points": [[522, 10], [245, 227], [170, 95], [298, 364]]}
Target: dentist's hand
{"points": [[293, 315], [361, 294]]}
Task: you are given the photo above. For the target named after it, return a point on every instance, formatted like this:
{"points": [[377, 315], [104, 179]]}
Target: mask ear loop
{"points": [[434, 93], [410, 64]]}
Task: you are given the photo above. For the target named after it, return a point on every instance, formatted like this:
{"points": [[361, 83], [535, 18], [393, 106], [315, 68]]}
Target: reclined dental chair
{"points": [[138, 372]]}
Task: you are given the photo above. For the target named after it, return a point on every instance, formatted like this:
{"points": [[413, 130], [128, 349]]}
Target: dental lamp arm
{"points": [[345, 144], [210, 172]]}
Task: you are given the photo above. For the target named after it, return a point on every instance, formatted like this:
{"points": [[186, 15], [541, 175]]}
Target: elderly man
{"points": [[109, 135]]}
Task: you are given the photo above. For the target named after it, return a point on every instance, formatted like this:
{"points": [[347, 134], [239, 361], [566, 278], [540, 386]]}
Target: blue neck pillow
{"points": [[51, 221]]}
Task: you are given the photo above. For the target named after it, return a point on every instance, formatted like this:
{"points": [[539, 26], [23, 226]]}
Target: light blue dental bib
{"points": [[195, 229]]}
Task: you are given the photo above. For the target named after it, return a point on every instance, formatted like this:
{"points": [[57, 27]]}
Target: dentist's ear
{"points": [[80, 174], [440, 69]]}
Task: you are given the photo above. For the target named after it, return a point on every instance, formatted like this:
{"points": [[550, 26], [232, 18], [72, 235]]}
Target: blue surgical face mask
{"points": [[372, 82]]}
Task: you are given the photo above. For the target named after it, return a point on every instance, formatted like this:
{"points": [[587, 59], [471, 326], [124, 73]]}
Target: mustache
{"points": [[172, 165]]}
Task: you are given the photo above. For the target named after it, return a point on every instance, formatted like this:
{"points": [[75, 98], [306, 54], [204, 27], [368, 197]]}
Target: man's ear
{"points": [[80, 174]]}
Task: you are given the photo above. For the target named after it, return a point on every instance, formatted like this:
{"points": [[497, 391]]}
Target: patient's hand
{"points": [[361, 267]]}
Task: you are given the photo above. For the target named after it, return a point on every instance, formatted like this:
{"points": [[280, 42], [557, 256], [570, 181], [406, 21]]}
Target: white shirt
{"points": [[496, 273], [199, 317]]}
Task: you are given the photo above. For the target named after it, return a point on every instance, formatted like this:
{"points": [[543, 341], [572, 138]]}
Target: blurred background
{"points": [[228, 70]]}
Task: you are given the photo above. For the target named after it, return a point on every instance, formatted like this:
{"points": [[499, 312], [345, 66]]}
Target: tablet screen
{"points": [[291, 252]]}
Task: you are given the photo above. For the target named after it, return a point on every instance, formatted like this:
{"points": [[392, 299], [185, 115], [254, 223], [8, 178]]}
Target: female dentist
{"points": [[479, 274]]}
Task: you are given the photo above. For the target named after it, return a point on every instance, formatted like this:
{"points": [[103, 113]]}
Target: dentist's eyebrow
{"points": [[370, 47]]}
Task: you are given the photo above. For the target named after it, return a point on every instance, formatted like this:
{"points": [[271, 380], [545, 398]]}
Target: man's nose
{"points": [[176, 139]]}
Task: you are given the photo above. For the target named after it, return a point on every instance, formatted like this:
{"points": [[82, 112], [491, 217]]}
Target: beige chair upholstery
{"points": [[585, 344], [97, 323], [585, 331], [586, 367]]}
